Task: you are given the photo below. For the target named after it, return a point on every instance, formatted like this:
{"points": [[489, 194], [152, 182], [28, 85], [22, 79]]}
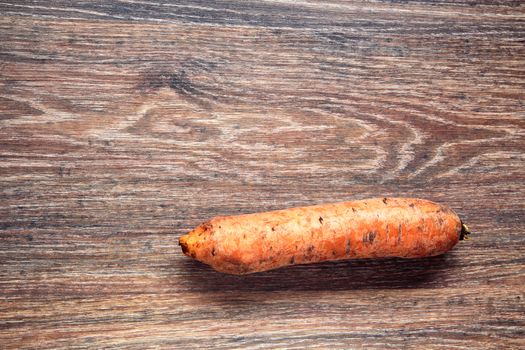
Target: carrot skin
{"points": [[372, 228]]}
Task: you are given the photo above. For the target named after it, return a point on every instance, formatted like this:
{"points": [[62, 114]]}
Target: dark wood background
{"points": [[124, 124]]}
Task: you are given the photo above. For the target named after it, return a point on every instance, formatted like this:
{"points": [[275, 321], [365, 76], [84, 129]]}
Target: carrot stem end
{"points": [[465, 231]]}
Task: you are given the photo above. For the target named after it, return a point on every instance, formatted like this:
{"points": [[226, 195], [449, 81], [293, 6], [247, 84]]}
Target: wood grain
{"points": [[124, 124]]}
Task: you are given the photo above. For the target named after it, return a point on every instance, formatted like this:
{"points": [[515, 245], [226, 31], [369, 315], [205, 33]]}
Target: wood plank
{"points": [[125, 124]]}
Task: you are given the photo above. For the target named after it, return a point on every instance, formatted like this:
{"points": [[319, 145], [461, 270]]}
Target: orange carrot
{"points": [[373, 228]]}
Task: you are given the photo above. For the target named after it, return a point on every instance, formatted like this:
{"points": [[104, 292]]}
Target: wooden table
{"points": [[123, 124]]}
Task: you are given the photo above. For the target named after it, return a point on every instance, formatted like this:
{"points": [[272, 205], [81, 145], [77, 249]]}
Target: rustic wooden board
{"points": [[124, 124]]}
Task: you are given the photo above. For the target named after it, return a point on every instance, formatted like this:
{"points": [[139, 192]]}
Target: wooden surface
{"points": [[124, 124]]}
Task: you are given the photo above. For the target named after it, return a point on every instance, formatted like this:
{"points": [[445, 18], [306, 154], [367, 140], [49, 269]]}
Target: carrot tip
{"points": [[184, 245], [465, 231]]}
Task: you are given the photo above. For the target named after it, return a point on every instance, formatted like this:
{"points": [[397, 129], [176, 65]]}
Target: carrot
{"points": [[372, 228]]}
